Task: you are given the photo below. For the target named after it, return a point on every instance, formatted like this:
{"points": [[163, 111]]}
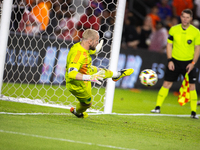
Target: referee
{"points": [[182, 53]]}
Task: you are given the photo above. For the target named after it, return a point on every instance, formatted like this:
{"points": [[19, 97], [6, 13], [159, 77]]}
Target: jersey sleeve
{"points": [[74, 64], [197, 39], [76, 60]]}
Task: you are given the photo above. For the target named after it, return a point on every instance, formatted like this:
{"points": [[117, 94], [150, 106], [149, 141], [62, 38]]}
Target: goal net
{"points": [[41, 34]]}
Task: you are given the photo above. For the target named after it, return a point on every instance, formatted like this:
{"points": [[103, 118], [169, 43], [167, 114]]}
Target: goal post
{"points": [[33, 65], [115, 50], [4, 32]]}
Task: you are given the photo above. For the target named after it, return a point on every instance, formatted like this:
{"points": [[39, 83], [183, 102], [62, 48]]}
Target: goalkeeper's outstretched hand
{"points": [[99, 46], [94, 78]]}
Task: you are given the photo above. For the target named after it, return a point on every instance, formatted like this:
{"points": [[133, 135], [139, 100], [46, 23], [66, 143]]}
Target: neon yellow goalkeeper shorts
{"points": [[81, 90]]}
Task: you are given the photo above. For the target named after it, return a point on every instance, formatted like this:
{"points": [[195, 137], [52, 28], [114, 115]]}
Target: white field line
{"points": [[59, 114], [64, 140]]}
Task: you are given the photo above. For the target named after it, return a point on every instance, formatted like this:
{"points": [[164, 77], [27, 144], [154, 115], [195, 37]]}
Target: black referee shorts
{"points": [[180, 68]]}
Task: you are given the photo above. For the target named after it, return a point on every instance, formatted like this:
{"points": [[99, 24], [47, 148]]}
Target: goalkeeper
{"points": [[80, 72]]}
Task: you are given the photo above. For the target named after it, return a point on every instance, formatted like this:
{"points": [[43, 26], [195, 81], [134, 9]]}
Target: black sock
{"points": [[157, 107]]}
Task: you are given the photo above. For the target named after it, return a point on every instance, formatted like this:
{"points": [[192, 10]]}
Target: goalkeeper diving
{"points": [[80, 72]]}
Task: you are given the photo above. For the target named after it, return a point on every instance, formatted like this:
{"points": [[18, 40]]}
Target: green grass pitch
{"points": [[44, 128]]}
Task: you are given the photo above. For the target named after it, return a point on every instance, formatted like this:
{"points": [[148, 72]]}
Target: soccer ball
{"points": [[148, 77]]}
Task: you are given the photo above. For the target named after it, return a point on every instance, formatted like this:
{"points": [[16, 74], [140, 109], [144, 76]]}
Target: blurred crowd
{"points": [[61, 19], [152, 33]]}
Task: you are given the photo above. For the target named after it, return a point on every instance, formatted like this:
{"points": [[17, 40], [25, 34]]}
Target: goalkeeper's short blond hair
{"points": [[89, 34]]}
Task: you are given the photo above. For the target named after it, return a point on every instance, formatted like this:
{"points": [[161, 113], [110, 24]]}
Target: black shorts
{"points": [[180, 69]]}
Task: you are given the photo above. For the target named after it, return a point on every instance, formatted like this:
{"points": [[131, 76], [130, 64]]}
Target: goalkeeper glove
{"points": [[98, 47], [93, 78]]}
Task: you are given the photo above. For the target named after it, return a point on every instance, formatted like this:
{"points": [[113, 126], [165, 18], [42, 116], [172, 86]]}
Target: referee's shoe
{"points": [[156, 110], [193, 115]]}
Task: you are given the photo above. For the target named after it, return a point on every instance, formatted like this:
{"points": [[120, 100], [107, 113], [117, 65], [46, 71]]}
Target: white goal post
{"points": [[4, 32], [115, 50], [33, 65]]}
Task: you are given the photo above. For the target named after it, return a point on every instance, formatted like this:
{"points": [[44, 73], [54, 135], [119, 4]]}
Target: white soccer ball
{"points": [[148, 77]]}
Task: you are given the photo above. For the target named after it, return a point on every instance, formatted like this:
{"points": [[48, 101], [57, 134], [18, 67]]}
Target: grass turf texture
{"points": [[97, 132]]}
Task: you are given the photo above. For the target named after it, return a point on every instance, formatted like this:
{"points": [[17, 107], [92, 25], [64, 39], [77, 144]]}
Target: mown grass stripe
{"points": [[65, 140]]}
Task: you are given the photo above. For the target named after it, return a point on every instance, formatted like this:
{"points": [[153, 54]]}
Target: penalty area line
{"points": [[153, 114], [95, 114], [64, 140]]}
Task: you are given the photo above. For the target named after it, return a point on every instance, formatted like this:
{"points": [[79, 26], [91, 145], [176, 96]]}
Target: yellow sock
{"points": [[162, 94], [107, 73], [193, 100], [80, 108]]}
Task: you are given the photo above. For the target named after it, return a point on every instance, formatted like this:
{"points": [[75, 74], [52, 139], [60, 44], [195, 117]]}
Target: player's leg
{"points": [[111, 74], [81, 107], [101, 71], [82, 91], [193, 103], [162, 94], [193, 94], [170, 77], [122, 73]]}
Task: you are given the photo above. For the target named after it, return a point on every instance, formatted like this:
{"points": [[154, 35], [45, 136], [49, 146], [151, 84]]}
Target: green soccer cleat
{"points": [[124, 72], [81, 115]]}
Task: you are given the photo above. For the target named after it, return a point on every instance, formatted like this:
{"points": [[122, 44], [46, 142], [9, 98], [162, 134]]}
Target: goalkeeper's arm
{"points": [[74, 74]]}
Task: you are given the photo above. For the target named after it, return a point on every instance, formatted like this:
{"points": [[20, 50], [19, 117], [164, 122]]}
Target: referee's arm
{"points": [[196, 53], [169, 51], [195, 59], [169, 57]]}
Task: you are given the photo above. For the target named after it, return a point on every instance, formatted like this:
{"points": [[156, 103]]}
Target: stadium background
{"points": [[138, 59]]}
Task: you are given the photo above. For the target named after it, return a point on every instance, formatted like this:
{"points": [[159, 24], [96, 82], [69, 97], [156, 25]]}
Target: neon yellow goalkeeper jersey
{"points": [[184, 41], [79, 58]]}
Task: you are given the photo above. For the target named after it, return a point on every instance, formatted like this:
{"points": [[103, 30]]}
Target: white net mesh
{"points": [[41, 34]]}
